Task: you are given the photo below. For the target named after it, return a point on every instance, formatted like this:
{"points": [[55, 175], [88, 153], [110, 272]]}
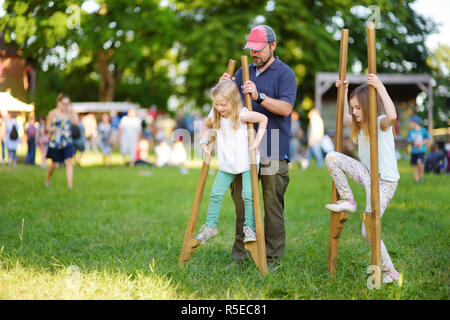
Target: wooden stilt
{"points": [[257, 249], [189, 243], [337, 219], [375, 225]]}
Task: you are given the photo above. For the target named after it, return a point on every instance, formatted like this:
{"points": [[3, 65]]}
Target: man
{"points": [[273, 89]]}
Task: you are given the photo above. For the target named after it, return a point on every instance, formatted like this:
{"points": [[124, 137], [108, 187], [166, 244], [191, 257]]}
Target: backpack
{"points": [[31, 131], [13, 135], [76, 133]]}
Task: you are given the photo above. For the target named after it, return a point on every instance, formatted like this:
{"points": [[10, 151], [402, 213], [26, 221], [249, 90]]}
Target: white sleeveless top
{"points": [[387, 161], [232, 145]]}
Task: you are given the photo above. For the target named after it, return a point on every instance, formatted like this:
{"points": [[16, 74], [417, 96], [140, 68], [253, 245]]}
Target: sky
{"points": [[438, 10]]}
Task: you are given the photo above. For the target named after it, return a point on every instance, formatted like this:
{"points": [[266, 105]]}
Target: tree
{"points": [[119, 38], [439, 61], [211, 33], [308, 33]]}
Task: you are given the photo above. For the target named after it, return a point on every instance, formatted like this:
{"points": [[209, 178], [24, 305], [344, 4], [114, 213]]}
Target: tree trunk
{"points": [[109, 78]]}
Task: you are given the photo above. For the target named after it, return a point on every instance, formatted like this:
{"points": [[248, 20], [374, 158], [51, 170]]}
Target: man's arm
{"points": [[277, 106], [288, 90]]}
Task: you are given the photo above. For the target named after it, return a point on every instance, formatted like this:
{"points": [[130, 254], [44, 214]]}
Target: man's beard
{"points": [[263, 62]]}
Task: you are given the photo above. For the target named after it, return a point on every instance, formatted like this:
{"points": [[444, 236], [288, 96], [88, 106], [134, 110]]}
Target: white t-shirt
{"points": [[387, 161], [232, 145], [131, 127]]}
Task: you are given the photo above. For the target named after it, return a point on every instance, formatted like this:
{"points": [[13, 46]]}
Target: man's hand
{"points": [[250, 87]]}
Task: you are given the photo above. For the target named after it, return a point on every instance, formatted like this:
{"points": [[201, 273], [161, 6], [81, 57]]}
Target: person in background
{"points": [[90, 133], [115, 121], [79, 141], [3, 120], [435, 160], [296, 138], [105, 136], [60, 146], [130, 131], [32, 132], [12, 139], [418, 137], [315, 136], [43, 142]]}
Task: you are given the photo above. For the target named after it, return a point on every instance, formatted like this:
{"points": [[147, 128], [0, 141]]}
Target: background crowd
{"points": [[149, 137]]}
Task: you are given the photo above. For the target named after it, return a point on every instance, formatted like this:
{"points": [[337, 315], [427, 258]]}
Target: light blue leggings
{"points": [[221, 184]]}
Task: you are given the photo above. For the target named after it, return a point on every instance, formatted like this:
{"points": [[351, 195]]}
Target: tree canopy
{"points": [[147, 51]]}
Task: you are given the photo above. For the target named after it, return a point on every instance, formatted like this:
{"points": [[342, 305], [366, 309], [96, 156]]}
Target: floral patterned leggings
{"points": [[339, 166]]}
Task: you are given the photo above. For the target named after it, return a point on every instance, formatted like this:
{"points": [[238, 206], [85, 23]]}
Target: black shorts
{"points": [[59, 155], [417, 158]]}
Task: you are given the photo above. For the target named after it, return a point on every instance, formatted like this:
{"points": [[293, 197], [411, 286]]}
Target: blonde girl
{"points": [[229, 118]]}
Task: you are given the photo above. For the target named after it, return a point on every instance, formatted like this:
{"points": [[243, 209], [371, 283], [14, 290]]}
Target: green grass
{"points": [[118, 235]]}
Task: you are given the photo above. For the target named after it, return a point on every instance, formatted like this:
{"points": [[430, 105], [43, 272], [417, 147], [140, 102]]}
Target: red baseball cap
{"points": [[259, 36]]}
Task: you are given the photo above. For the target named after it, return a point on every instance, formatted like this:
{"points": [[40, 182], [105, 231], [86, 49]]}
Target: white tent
{"points": [[11, 104], [83, 107]]}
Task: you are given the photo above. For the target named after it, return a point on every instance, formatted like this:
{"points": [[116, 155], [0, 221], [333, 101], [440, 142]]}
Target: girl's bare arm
{"points": [[389, 107], [256, 117]]}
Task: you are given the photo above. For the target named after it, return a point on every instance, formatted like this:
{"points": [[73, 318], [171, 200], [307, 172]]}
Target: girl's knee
{"points": [[330, 158]]}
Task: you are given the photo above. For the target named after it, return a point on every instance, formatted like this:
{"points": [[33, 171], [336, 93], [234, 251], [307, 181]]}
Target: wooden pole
{"points": [[257, 249], [374, 174], [189, 243], [337, 219]]}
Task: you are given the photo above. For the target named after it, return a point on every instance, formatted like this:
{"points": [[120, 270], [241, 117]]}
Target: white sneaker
{"points": [[250, 234], [205, 233], [342, 205], [390, 276]]}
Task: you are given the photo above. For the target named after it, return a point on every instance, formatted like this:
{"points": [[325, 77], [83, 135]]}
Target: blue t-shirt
{"points": [[277, 81], [416, 137]]}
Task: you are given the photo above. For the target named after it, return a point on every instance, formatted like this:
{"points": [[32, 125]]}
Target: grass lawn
{"points": [[118, 234]]}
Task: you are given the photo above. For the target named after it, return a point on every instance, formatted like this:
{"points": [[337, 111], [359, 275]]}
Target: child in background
{"points": [[32, 132], [435, 161], [229, 118], [12, 139], [340, 165], [105, 135], [418, 137]]}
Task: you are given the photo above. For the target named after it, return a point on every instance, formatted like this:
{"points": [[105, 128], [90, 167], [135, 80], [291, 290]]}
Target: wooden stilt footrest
{"points": [[337, 221]]}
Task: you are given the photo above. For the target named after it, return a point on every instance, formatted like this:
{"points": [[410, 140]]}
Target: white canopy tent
{"points": [[10, 104], [85, 107]]}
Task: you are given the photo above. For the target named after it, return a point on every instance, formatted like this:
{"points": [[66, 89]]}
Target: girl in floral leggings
{"points": [[341, 166]]}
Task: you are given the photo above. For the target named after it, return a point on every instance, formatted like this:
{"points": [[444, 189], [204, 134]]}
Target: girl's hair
{"points": [[228, 91], [62, 96], [362, 95]]}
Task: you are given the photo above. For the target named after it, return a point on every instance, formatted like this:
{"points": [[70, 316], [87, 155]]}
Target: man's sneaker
{"points": [[342, 205], [390, 276], [250, 234], [205, 233]]}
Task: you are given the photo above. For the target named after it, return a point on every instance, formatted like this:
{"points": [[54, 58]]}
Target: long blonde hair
{"points": [[362, 95], [229, 91]]}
